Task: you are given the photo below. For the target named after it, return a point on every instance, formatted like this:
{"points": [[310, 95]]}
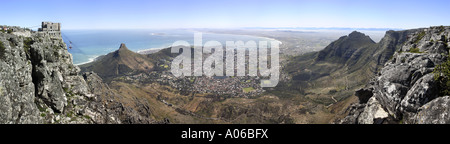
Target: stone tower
{"points": [[53, 29]]}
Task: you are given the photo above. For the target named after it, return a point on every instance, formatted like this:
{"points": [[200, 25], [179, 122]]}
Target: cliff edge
{"points": [[411, 86], [40, 84]]}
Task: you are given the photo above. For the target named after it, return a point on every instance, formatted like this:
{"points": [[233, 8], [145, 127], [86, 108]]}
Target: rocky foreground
{"points": [[40, 84], [407, 89]]}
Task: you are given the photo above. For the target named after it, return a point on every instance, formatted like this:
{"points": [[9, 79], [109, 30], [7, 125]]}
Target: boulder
{"points": [[423, 91], [436, 111], [373, 112]]}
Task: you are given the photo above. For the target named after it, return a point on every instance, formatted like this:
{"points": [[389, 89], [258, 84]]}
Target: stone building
{"points": [[5, 28], [53, 29]]}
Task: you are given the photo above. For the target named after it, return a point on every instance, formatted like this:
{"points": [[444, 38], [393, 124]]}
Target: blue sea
{"points": [[89, 44]]}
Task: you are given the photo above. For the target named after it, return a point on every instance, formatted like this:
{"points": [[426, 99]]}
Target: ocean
{"points": [[89, 44]]}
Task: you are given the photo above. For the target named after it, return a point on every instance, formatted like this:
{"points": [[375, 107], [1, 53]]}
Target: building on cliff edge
{"points": [[53, 29]]}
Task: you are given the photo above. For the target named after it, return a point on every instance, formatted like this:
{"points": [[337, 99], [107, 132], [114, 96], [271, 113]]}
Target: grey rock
{"points": [[423, 91], [353, 113], [405, 86], [436, 111], [389, 96], [16, 85], [40, 84], [372, 112]]}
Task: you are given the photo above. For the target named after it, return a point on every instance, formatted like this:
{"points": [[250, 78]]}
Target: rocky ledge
{"points": [[406, 89]]}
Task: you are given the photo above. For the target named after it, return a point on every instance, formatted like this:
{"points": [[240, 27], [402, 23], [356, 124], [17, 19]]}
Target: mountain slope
{"points": [[330, 77], [406, 89], [118, 63], [315, 88], [329, 69], [344, 48]]}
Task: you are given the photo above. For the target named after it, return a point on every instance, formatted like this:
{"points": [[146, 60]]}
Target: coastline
{"points": [[150, 50], [257, 36], [157, 49], [144, 51], [89, 60]]}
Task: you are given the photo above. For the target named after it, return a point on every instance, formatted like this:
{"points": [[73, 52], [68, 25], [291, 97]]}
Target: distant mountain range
{"points": [[326, 28]]}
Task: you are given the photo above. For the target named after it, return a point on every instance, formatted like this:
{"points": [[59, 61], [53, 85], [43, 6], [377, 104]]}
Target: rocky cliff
{"points": [[406, 90], [40, 84]]}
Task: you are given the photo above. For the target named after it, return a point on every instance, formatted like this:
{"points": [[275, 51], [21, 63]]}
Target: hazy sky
{"points": [[129, 14]]}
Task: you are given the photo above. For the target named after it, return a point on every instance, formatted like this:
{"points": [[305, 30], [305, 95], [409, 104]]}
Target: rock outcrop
{"points": [[40, 84], [404, 90]]}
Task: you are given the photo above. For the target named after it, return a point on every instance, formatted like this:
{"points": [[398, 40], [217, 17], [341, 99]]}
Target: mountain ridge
{"points": [[406, 89], [345, 46], [330, 78]]}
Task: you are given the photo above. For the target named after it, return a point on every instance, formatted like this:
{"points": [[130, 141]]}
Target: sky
{"points": [[162, 14]]}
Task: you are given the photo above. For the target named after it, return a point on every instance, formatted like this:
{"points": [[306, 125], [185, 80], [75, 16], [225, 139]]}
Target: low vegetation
{"points": [[441, 29], [445, 41], [249, 89], [442, 76], [414, 50], [2, 50], [27, 42], [419, 37]]}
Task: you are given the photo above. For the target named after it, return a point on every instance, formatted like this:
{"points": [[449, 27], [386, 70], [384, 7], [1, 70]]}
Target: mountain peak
{"points": [[356, 34], [344, 47], [123, 51], [120, 62], [123, 47]]}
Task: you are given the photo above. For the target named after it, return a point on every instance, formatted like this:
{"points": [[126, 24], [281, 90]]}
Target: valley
{"points": [[314, 88]]}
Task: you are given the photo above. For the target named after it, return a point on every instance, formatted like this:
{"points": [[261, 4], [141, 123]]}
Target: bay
{"points": [[89, 44]]}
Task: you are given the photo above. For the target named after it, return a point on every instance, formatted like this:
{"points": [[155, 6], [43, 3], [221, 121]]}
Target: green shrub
{"points": [[87, 117], [414, 50], [445, 41], [69, 114], [419, 37], [2, 50], [27, 42], [442, 29], [442, 76]]}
